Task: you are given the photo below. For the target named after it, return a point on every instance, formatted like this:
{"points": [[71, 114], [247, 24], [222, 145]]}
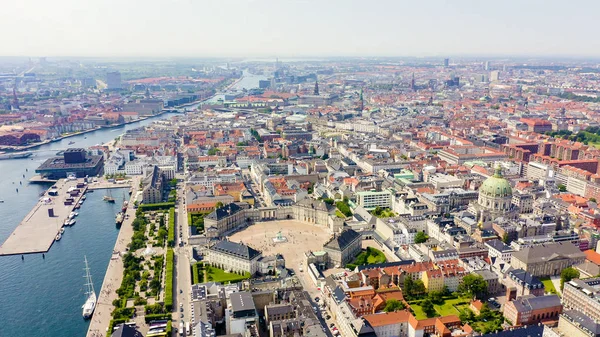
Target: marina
{"points": [[41, 226]]}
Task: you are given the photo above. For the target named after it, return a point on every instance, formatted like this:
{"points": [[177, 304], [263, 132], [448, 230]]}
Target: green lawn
{"points": [[369, 256], [219, 275], [449, 307], [548, 285]]}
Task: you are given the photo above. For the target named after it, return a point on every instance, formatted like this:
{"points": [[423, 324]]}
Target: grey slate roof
{"points": [[548, 252], [524, 278], [531, 302], [583, 320], [237, 249], [342, 241], [531, 331], [126, 331], [224, 211]]}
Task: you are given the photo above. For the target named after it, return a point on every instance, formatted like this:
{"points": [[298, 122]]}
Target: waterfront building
{"points": [[153, 185], [74, 161]]}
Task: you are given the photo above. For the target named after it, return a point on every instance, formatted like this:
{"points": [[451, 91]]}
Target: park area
{"points": [[202, 273], [451, 306], [369, 256]]}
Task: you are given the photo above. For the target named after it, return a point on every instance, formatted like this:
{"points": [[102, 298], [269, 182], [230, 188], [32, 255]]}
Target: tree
{"points": [[567, 275], [472, 285], [325, 156], [408, 286], [418, 287], [592, 199], [427, 307], [393, 305], [213, 151], [435, 297], [421, 237], [562, 187], [506, 239], [173, 182]]}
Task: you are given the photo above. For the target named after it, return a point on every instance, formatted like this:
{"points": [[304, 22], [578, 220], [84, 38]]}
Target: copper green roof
{"points": [[496, 185]]}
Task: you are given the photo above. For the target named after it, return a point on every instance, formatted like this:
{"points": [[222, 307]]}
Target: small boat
{"points": [[80, 202], [71, 142], [83, 197], [109, 198], [1, 201], [61, 231], [77, 206], [124, 208], [119, 218], [58, 237], [72, 222], [90, 302], [66, 223]]}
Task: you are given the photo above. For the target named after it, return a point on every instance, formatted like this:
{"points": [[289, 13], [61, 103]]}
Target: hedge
{"points": [[171, 229], [157, 317], [169, 281], [169, 328], [195, 279], [114, 322], [155, 207]]}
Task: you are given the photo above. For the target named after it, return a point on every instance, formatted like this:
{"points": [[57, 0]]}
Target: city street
{"points": [[182, 277]]}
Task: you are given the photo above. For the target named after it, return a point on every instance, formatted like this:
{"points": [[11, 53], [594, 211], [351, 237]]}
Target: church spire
{"points": [[316, 92]]}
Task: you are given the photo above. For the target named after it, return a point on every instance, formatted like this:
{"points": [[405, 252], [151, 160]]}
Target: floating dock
{"points": [[37, 231]]}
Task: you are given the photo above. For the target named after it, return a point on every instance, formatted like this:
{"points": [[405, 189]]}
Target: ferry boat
{"points": [[16, 155], [90, 302]]}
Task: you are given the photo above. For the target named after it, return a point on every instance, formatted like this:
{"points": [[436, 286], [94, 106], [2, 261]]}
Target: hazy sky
{"points": [[200, 28]]}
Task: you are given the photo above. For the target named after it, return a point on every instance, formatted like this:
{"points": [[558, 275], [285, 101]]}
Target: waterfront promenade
{"points": [[37, 231], [114, 274]]}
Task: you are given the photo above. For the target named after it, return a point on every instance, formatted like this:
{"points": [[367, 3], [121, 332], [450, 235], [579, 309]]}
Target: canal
{"points": [[43, 297]]}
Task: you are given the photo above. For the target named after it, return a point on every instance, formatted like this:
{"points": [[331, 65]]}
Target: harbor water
{"points": [[43, 296]]}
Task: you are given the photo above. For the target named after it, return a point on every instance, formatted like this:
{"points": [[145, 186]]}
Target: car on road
{"points": [[327, 317], [331, 325], [180, 309], [181, 315]]}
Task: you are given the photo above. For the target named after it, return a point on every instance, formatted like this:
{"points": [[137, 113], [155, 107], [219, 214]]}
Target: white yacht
{"points": [[90, 302]]}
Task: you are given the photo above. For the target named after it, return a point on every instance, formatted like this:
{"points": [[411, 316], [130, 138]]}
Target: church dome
{"points": [[496, 186]]}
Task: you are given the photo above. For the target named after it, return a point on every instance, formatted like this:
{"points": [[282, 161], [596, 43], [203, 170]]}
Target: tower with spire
{"points": [[361, 103], [316, 92], [15, 102], [412, 82]]}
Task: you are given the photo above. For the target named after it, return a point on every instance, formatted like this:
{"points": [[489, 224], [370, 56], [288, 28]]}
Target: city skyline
{"points": [[181, 28]]}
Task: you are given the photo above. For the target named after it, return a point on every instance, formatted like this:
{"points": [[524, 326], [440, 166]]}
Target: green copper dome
{"points": [[496, 185]]}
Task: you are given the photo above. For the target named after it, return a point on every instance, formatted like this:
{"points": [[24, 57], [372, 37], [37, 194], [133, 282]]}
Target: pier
{"points": [[37, 231]]}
